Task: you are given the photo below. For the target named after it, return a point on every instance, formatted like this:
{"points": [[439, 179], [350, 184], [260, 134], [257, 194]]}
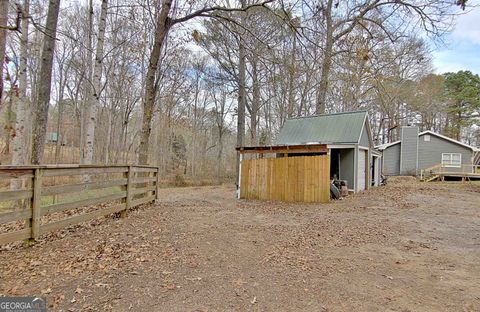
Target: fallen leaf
{"points": [[101, 285], [193, 278]]}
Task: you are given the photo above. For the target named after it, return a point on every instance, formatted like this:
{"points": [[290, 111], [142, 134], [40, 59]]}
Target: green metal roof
{"points": [[324, 129]]}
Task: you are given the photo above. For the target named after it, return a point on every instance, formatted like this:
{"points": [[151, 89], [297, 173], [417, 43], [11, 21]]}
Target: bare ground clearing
{"points": [[404, 247]]}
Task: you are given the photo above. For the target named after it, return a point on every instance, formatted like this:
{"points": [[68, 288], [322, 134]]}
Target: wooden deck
{"points": [[440, 172], [461, 175]]}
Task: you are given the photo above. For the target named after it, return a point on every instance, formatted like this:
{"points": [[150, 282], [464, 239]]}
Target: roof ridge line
{"points": [[329, 114]]}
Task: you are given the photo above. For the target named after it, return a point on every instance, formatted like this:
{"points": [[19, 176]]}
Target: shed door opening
{"points": [[375, 171], [335, 164]]}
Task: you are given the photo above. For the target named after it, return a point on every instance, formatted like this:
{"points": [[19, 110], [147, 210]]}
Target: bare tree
{"points": [[19, 156], [94, 96], [4, 5], [393, 18], [45, 76], [163, 26]]}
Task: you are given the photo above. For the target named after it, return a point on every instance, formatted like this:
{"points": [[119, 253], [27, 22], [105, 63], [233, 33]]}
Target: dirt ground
{"points": [[404, 247]]}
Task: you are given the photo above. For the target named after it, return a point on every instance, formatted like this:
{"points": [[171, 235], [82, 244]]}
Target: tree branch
{"points": [[204, 12]]}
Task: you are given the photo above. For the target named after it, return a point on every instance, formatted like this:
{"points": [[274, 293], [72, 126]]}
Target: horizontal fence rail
{"points": [[30, 196]]}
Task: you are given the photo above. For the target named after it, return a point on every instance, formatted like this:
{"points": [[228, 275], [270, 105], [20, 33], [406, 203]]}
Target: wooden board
{"points": [[80, 171], [14, 236], [145, 169], [136, 191], [80, 218], [13, 195], [81, 203], [15, 173], [15, 215], [144, 180], [71, 188], [291, 179], [143, 200]]}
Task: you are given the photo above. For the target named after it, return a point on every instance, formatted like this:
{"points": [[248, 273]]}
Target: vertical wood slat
{"points": [[308, 180], [261, 176], [317, 179], [157, 189], [303, 168], [326, 194], [314, 180], [244, 178], [36, 204], [128, 200], [284, 180], [291, 180]]}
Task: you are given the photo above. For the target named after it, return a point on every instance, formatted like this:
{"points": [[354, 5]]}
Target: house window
{"points": [[452, 160], [426, 138]]}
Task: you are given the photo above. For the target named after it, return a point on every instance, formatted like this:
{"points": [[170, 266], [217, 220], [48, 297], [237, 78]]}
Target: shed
{"points": [[347, 153], [417, 151]]}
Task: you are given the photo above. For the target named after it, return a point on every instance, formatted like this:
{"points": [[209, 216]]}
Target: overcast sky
{"points": [[463, 45]]}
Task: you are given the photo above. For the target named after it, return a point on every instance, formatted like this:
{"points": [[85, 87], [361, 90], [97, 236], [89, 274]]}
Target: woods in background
{"points": [[179, 84]]}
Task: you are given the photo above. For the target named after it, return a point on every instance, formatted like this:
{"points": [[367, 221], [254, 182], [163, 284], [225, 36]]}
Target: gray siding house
{"points": [[349, 140], [416, 151]]}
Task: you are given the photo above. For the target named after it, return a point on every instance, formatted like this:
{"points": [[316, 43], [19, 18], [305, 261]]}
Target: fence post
{"points": [[36, 203], [157, 184], [128, 201]]}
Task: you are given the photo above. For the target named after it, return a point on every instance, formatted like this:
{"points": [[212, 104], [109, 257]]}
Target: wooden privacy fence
{"points": [[292, 179], [36, 195]]}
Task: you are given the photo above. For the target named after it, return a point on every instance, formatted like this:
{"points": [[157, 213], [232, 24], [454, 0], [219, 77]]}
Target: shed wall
{"points": [[292, 179], [391, 160], [347, 166], [364, 140]]}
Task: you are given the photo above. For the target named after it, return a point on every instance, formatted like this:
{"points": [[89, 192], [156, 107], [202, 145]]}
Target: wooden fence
{"points": [[32, 194], [291, 179]]}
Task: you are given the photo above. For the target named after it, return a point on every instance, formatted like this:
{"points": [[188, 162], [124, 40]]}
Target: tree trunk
{"points": [[255, 102], [327, 61], [108, 143], [242, 97], [8, 123], [291, 78], [58, 144], [45, 79], [19, 156], [194, 137], [220, 119], [19, 148], [161, 31], [219, 156], [94, 95], [4, 5]]}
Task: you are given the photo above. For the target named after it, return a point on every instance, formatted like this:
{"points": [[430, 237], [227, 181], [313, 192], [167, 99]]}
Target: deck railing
{"points": [[38, 199], [440, 169]]}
